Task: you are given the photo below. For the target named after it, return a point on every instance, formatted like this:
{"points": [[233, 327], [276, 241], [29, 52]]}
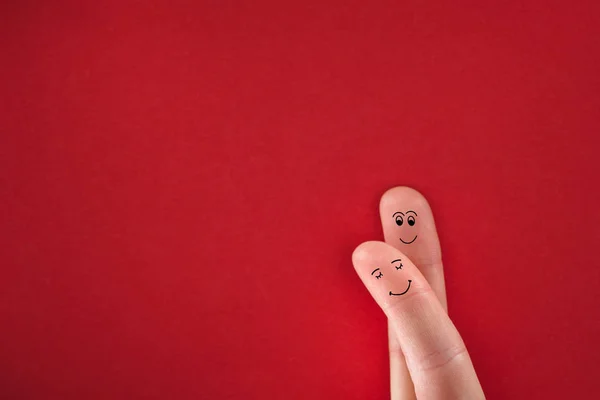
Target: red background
{"points": [[182, 186]]}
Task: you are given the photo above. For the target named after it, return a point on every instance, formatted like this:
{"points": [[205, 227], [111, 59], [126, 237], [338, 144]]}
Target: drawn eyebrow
{"points": [[398, 212], [375, 270], [395, 261], [412, 212]]}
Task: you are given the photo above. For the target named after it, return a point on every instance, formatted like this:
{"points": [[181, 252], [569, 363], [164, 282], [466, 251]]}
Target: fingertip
{"points": [[386, 272], [408, 224], [373, 253], [401, 194], [364, 251]]}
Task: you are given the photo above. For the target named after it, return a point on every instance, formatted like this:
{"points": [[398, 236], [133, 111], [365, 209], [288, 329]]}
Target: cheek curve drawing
{"points": [[400, 294]]}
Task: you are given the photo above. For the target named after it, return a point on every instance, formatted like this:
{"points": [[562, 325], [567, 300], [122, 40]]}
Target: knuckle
{"points": [[442, 358]]}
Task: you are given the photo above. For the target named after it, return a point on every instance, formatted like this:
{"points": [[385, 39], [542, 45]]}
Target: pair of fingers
{"points": [[428, 359]]}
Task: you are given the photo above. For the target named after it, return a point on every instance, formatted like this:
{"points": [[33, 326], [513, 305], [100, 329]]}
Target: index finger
{"points": [[437, 359]]}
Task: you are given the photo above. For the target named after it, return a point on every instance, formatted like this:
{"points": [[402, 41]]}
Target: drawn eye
{"points": [[398, 266], [399, 220], [411, 220], [377, 273]]}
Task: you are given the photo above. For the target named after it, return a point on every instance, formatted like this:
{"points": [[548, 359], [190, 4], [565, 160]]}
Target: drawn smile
{"points": [[400, 294], [410, 241]]}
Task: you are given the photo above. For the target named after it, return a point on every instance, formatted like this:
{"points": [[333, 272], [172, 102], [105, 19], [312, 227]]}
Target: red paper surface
{"points": [[182, 185]]}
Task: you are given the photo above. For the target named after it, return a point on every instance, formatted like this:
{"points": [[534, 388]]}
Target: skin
{"points": [[428, 359], [436, 358], [406, 204]]}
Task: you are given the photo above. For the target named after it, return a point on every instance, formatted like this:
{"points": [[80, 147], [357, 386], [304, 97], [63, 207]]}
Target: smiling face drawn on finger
{"points": [[396, 265], [406, 222]]}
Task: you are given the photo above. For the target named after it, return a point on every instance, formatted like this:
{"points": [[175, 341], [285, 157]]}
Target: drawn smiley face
{"points": [[406, 220], [397, 264]]}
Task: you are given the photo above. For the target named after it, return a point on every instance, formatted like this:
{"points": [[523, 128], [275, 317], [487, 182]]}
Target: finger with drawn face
{"points": [[436, 357], [408, 225]]}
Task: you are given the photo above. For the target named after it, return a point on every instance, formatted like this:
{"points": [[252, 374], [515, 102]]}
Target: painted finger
{"points": [[408, 226], [435, 354]]}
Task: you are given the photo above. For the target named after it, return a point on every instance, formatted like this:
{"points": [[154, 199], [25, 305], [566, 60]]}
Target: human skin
{"points": [[399, 207], [428, 359]]}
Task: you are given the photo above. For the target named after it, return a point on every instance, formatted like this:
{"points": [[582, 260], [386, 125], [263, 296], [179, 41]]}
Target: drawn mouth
{"points": [[408, 242], [400, 294]]}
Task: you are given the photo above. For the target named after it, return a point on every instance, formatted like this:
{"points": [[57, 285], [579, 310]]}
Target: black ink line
{"points": [[400, 294], [410, 241], [377, 269], [397, 212], [395, 261], [412, 212]]}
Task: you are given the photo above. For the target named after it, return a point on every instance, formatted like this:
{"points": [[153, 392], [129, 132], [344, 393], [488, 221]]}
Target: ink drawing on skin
{"points": [[378, 274], [411, 220]]}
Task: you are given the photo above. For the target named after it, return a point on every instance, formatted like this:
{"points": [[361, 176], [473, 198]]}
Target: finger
{"points": [[408, 226], [401, 386], [406, 216], [437, 360]]}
